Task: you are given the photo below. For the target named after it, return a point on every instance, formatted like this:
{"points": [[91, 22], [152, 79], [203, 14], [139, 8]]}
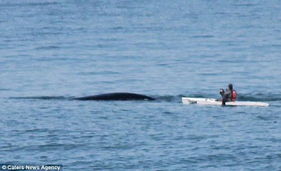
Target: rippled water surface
{"points": [[53, 51]]}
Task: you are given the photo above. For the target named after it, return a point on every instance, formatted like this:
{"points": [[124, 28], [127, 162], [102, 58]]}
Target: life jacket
{"points": [[233, 95]]}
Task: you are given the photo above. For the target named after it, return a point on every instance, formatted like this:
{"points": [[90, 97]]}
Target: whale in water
{"points": [[116, 96]]}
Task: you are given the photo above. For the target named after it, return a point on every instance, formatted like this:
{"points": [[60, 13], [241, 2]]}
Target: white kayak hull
{"points": [[210, 101]]}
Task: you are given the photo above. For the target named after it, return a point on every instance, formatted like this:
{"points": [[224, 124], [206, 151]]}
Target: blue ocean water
{"points": [[51, 51]]}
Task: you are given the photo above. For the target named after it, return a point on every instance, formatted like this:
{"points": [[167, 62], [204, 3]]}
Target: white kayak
{"points": [[211, 101]]}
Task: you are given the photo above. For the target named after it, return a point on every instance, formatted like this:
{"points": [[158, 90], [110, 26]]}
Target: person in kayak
{"points": [[230, 95]]}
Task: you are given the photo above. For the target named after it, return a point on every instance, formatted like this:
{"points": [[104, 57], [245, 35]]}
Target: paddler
{"points": [[230, 95]]}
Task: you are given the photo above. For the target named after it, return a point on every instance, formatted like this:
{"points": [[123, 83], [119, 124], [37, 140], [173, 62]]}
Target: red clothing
{"points": [[233, 95]]}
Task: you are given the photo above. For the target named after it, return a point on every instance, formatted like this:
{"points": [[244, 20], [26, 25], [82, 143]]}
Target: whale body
{"points": [[116, 96]]}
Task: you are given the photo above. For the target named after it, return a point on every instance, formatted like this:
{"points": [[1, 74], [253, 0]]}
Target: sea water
{"points": [[52, 51]]}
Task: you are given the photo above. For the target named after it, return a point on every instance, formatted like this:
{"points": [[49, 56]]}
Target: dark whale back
{"points": [[116, 96]]}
